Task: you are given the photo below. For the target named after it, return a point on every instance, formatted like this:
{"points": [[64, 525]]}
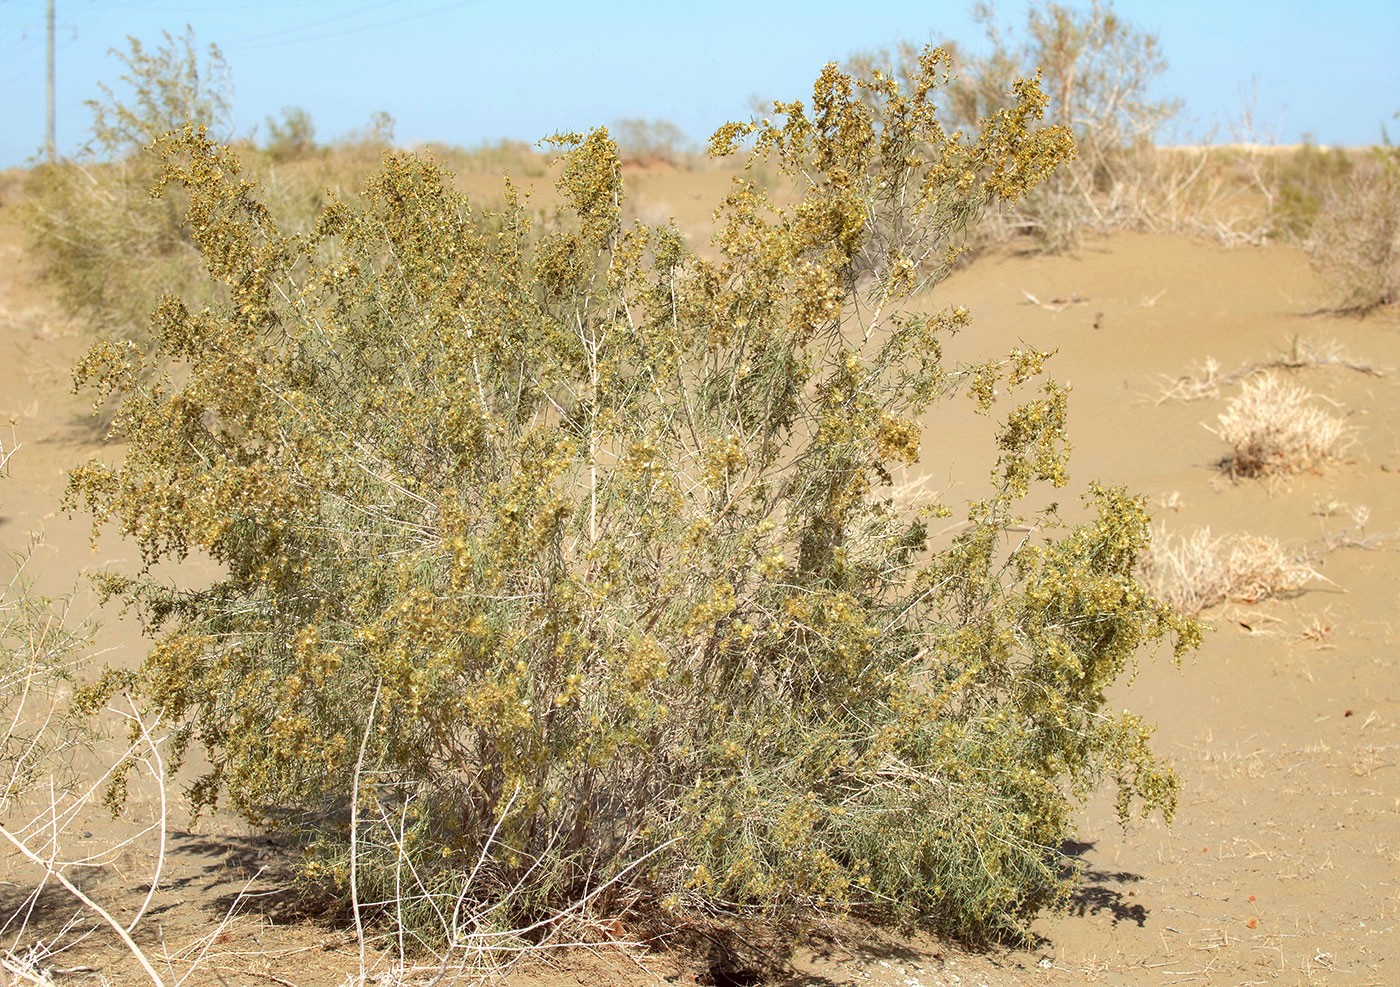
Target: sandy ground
{"points": [[1283, 864]]}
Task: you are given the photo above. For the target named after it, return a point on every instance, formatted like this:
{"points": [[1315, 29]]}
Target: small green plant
{"points": [[562, 567]]}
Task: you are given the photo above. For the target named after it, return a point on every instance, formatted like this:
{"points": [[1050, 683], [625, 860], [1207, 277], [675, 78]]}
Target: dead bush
{"points": [[1196, 571], [1355, 241], [1272, 427]]}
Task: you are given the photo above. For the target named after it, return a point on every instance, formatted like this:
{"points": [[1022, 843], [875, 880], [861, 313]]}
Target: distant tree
{"points": [[646, 141], [293, 137]]}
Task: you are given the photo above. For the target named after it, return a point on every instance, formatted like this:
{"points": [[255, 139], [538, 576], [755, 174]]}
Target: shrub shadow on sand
{"points": [[1101, 891]]}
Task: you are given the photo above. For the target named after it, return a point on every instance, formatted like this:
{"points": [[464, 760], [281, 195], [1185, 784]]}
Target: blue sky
{"points": [[476, 70]]}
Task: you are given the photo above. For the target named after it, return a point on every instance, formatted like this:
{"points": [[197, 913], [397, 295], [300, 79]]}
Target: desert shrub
{"points": [[101, 239], [165, 89], [1097, 69], [109, 246], [1355, 240], [1300, 182], [1196, 571], [293, 137], [1273, 427], [567, 556], [644, 142], [496, 158]]}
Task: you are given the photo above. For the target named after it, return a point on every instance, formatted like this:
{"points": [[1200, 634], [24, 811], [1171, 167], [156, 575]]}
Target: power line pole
{"points": [[50, 141]]}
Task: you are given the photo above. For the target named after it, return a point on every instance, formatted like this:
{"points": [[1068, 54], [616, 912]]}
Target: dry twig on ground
{"points": [[1205, 379]]}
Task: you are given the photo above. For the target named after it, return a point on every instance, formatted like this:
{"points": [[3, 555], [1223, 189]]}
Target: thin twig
{"points": [[159, 772], [355, 822], [93, 906]]}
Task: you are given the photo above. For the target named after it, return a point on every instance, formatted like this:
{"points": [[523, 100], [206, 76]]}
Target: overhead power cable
{"points": [[293, 36], [345, 15]]}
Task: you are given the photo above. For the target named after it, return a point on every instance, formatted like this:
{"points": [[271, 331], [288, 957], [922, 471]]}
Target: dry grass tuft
{"points": [[1272, 427], [1202, 382], [1205, 381], [1196, 571], [1304, 353]]}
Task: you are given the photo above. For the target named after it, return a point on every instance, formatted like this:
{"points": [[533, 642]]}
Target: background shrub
{"points": [[291, 138], [1097, 70], [1301, 181], [1355, 240], [562, 559], [102, 241], [109, 246], [649, 142]]}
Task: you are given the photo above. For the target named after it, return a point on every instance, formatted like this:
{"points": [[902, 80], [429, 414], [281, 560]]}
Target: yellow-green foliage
{"points": [[292, 137], [107, 245], [1097, 69], [92, 224], [583, 539], [644, 142], [1301, 181]]}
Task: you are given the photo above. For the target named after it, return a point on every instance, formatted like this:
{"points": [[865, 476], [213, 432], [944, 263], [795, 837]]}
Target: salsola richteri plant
{"points": [[1101, 73], [1274, 427], [561, 557]]}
